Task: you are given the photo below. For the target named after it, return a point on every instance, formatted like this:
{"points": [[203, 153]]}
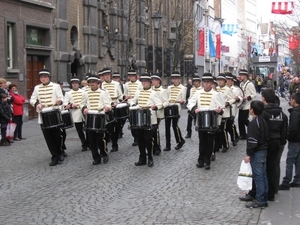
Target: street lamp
{"points": [[156, 18]]}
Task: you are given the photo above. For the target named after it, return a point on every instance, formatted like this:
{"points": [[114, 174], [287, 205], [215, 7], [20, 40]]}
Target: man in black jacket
{"points": [[293, 155], [278, 124]]}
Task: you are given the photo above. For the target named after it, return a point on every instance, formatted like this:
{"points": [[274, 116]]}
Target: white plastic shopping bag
{"points": [[10, 129], [244, 180]]}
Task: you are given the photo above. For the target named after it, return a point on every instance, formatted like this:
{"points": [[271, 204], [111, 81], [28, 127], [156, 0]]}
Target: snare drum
{"points": [[140, 119], [67, 119], [171, 111], [95, 121], [121, 111], [207, 120], [51, 118]]}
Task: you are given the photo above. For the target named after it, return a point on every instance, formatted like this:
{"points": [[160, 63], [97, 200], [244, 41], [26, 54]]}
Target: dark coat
{"points": [[294, 125], [5, 112]]}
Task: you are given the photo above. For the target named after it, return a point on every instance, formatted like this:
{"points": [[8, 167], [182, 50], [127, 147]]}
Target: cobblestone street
{"points": [[174, 191]]}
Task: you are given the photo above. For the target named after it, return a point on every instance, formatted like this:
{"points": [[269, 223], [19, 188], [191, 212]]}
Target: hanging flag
{"points": [[218, 41], [201, 34], [293, 42], [282, 7], [212, 49], [230, 29]]}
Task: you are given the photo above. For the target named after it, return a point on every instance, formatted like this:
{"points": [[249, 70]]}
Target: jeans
{"points": [[258, 165], [293, 158]]}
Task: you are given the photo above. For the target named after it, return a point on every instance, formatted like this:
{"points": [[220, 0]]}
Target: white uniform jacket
{"points": [[163, 93], [237, 92], [227, 96], [96, 100], [249, 92], [46, 95], [176, 93], [130, 88], [114, 90], [204, 101], [147, 98], [75, 97]]}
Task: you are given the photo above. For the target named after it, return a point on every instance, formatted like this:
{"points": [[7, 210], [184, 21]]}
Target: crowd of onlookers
{"points": [[286, 83]]}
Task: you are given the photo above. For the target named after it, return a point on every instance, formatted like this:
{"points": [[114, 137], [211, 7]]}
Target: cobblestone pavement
{"points": [[174, 191]]}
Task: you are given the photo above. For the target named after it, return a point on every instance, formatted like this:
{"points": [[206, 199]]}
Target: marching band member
{"points": [[238, 97], [249, 91], [228, 99], [203, 100], [116, 95], [98, 100], [117, 78], [49, 94], [156, 86], [147, 98], [130, 89], [196, 86], [72, 102], [177, 97]]}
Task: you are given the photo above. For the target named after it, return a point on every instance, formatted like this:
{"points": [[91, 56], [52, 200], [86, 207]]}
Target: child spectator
{"points": [[257, 141]]}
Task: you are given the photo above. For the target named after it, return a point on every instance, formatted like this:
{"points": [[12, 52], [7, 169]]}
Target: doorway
{"points": [[34, 65]]}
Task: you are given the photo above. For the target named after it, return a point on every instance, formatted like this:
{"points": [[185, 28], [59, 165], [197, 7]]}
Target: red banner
{"points": [[201, 42], [282, 7], [293, 42], [218, 46]]}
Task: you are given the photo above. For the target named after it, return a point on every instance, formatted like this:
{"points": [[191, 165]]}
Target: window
{"points": [[74, 35], [9, 45], [35, 36]]}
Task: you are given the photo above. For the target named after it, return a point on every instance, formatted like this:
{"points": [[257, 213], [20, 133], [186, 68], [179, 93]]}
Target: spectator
{"points": [[293, 155], [257, 141], [5, 117], [18, 104]]}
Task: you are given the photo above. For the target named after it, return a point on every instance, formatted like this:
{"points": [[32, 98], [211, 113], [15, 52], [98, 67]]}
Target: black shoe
{"points": [[105, 159], [271, 198], [64, 153], [180, 144], [139, 163], [157, 151], [225, 150], [207, 167], [114, 149], [150, 163], [53, 163], [188, 136], [256, 204], [10, 141], [61, 158], [96, 162], [243, 138], [167, 149], [294, 185], [283, 187], [134, 144], [200, 165], [234, 143], [246, 198], [84, 149], [213, 157]]}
